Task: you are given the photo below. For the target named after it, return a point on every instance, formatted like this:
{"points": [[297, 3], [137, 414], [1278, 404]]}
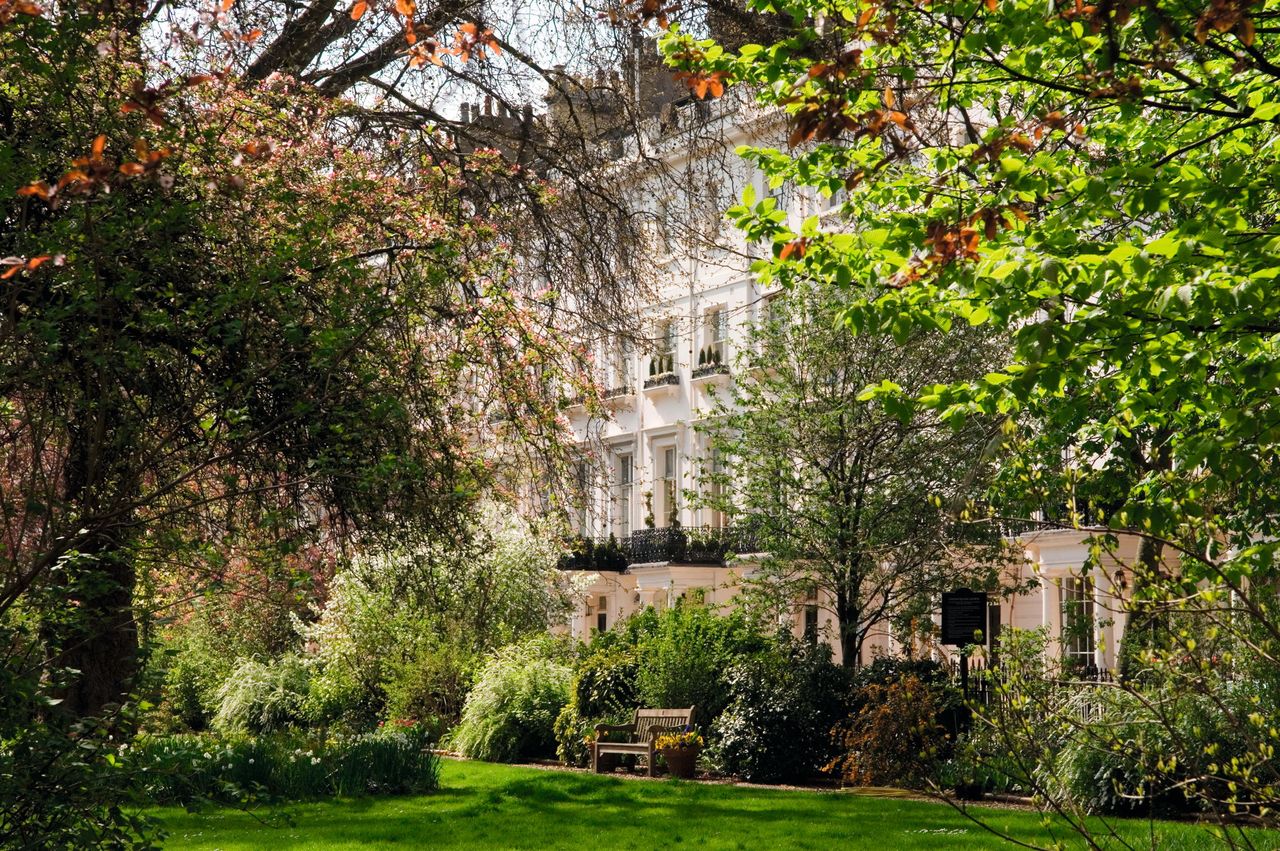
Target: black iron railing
{"points": [[662, 379], [708, 545], [708, 369]]}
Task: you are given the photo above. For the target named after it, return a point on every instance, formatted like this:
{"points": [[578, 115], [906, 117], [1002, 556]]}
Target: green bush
{"points": [[604, 691], [188, 769], [262, 697], [980, 764], [685, 657], [62, 781], [782, 708], [431, 686], [511, 712], [1119, 769]]}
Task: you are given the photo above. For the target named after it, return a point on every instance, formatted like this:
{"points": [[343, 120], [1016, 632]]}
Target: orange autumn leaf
{"points": [[406, 8], [358, 10], [796, 248], [472, 42], [991, 5], [40, 189], [9, 8], [99, 145], [889, 98], [18, 264]]}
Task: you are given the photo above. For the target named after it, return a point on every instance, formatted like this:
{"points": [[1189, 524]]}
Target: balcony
{"points": [[618, 397], [704, 545], [663, 377], [711, 368]]}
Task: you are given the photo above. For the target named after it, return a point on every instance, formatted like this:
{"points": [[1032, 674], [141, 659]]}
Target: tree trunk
{"points": [[847, 621], [1142, 617], [97, 638], [91, 637]]}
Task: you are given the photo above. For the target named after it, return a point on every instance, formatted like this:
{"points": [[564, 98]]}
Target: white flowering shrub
{"points": [[511, 712], [261, 697]]}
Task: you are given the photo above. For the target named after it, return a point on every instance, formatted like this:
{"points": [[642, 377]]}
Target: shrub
{"points": [[685, 659], [980, 763], [188, 769], [511, 712], [431, 686], [895, 739], [261, 697], [604, 691], [782, 707], [1120, 770], [62, 784]]}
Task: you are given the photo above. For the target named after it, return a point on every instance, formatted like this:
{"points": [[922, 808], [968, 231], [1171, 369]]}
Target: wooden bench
{"points": [[641, 734]]}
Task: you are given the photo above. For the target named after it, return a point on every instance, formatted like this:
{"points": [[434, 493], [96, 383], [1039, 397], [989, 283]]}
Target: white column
{"points": [[1051, 613], [1101, 640]]}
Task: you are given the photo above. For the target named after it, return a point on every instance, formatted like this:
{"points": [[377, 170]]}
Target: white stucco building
{"points": [[641, 461]]}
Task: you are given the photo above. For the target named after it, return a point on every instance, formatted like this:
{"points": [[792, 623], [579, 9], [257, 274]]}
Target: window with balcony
{"points": [[1078, 641], [713, 357], [619, 368], [716, 489], [663, 362]]}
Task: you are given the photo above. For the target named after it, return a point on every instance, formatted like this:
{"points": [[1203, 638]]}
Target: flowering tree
{"points": [[219, 317]]}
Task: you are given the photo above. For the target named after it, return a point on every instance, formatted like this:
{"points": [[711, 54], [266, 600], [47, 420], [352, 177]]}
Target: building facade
{"points": [[649, 539]]}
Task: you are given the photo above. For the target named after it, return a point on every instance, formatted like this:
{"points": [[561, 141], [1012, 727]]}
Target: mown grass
{"points": [[481, 805]]}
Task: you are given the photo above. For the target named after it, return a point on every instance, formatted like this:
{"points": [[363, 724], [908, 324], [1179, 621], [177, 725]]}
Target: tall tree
{"points": [[844, 495], [1101, 179]]}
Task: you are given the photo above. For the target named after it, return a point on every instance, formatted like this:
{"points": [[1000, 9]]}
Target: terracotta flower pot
{"points": [[681, 761]]}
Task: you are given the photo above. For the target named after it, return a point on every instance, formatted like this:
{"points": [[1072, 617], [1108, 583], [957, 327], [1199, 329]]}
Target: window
{"points": [[811, 624], [773, 310], [664, 360], [620, 365], [716, 334], [667, 225], [626, 475], [811, 614], [583, 481], [602, 614], [835, 200], [716, 490], [1077, 621], [669, 506]]}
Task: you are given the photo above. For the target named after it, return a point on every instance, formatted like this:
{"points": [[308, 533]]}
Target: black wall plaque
{"points": [[964, 617]]}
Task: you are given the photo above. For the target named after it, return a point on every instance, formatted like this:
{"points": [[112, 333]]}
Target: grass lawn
{"points": [[497, 806]]}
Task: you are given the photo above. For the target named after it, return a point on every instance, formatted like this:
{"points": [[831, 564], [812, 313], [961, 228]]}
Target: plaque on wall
{"points": [[964, 617]]}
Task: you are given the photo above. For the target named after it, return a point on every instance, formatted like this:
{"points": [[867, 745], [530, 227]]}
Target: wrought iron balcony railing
{"points": [[680, 544]]}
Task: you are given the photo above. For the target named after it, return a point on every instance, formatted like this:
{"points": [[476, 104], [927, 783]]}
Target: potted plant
{"points": [[680, 750]]}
